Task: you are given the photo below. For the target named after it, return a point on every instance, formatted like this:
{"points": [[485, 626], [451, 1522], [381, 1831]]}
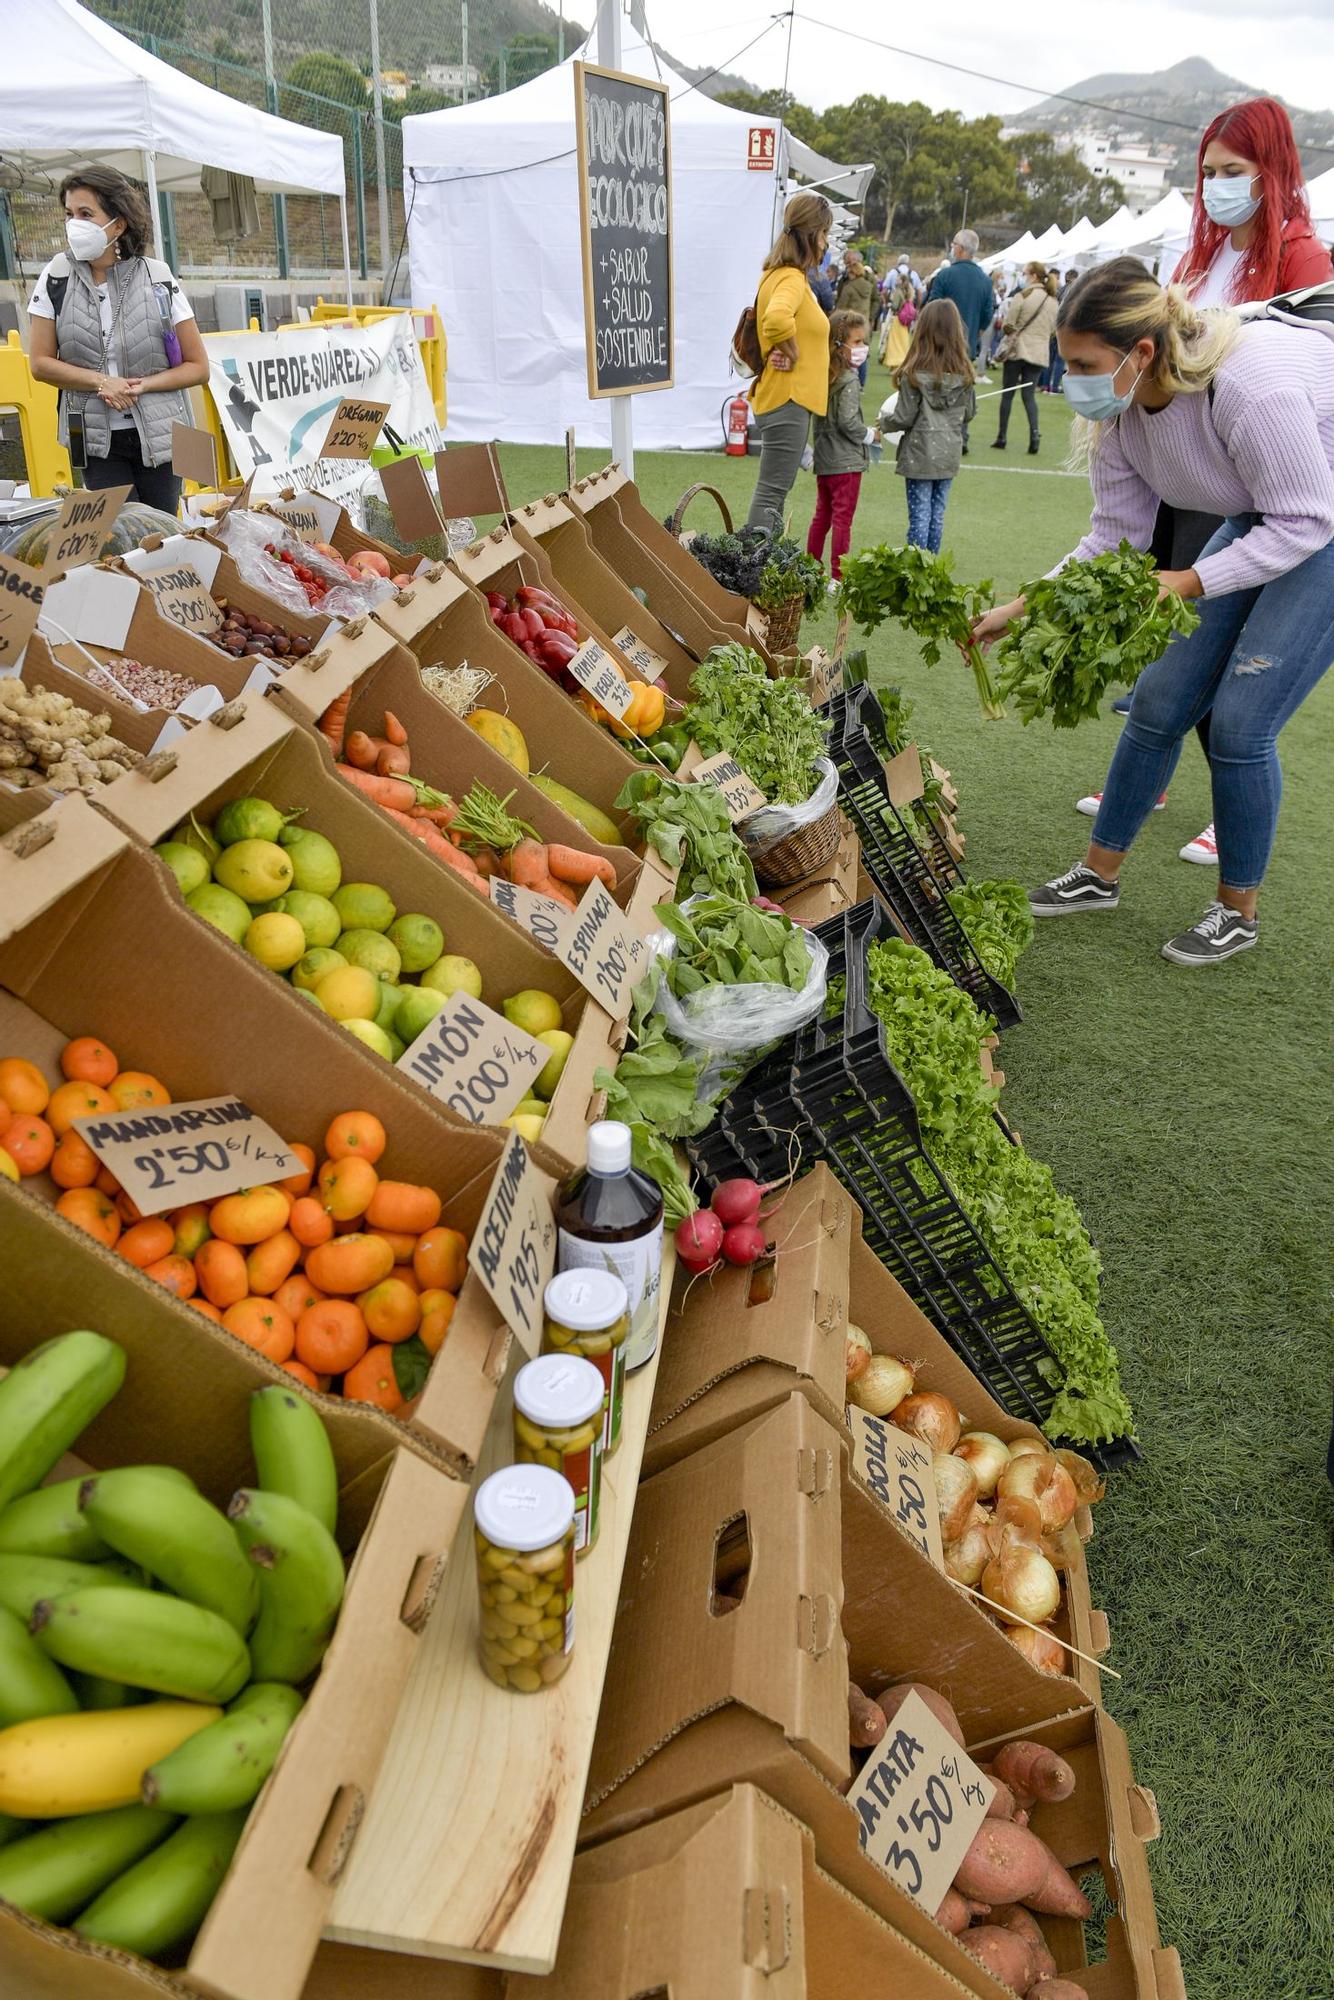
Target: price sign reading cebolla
{"points": [[625, 215]]}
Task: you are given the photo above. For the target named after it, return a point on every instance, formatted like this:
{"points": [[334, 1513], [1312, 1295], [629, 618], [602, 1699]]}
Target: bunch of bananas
{"points": [[127, 1585]]}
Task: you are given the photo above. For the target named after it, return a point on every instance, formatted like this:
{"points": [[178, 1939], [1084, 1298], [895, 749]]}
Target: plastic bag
{"points": [[760, 831], [248, 538]]}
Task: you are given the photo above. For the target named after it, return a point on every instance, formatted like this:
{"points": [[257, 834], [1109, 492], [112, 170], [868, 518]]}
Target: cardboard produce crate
{"points": [[314, 517], [223, 581], [98, 941], [187, 1405], [105, 609]]}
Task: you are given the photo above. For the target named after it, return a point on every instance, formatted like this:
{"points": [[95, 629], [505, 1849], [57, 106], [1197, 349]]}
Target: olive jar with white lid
{"points": [[523, 1537], [587, 1312], [558, 1406]]}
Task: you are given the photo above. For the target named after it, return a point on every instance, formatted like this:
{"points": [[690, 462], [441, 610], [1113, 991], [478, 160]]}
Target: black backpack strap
{"points": [[56, 289]]}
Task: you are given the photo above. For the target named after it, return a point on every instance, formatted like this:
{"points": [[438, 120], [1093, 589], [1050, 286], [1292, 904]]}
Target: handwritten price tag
{"points": [[181, 596], [826, 676], [164, 1158], [595, 670], [474, 1061], [513, 1249], [603, 952], [81, 527], [741, 794], [542, 917], [903, 775], [897, 1468], [312, 516], [920, 1800], [354, 429], [21, 595], [639, 653]]}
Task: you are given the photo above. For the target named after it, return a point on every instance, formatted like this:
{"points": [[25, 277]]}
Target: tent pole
{"points": [[622, 424], [347, 251], [154, 207]]}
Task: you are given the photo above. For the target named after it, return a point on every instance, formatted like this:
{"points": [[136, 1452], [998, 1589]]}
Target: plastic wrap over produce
{"points": [[763, 830], [251, 541]]}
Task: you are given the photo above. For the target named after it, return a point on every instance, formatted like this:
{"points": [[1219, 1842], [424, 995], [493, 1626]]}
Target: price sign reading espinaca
{"points": [[172, 1154], [183, 597], [354, 429], [639, 654], [897, 1468], [543, 918], [741, 794], [595, 670], [920, 1800], [513, 1249], [602, 951], [474, 1061], [81, 527]]}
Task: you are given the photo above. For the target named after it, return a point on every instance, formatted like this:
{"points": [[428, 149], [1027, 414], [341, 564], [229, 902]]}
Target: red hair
{"points": [[1258, 130]]}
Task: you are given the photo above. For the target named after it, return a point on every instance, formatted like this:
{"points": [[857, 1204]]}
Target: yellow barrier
{"points": [[47, 460]]}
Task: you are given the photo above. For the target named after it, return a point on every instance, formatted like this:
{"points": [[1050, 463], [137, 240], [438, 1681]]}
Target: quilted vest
{"points": [[79, 340]]}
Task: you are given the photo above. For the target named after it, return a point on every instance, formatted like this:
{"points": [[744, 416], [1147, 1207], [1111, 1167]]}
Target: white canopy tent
{"points": [[493, 233], [1320, 194], [807, 168], [1023, 246], [78, 91]]}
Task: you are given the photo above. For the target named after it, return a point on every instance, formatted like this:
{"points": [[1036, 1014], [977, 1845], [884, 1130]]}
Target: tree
{"points": [[323, 76], [798, 118], [145, 17], [924, 161], [418, 99], [1057, 186]]}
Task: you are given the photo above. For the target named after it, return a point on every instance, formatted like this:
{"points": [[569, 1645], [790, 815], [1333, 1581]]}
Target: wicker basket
{"points": [[809, 848], [784, 625], [700, 486]]}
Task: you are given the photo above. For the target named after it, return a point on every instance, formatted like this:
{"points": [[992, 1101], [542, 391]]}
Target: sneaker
{"points": [[1219, 934], [1204, 848], [1078, 889], [834, 585], [1090, 802], [1121, 706], [982, 381]]}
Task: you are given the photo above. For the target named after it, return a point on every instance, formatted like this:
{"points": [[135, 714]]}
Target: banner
{"points": [[276, 394]]}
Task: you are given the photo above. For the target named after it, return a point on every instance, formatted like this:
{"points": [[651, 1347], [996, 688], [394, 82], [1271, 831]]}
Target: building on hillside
{"points": [[1141, 171], [456, 80], [395, 84]]}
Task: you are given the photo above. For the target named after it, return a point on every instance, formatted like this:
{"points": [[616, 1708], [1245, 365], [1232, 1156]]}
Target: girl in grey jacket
{"points": [[841, 439], [932, 410]]}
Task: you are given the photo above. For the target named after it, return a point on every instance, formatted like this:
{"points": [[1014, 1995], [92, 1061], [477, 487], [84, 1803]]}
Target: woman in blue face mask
{"points": [[1204, 413]]}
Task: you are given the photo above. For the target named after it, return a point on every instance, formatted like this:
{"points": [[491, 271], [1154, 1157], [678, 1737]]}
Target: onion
{"points": [[1043, 1481], [966, 1559], [956, 1493], [1089, 1483], [988, 1456], [858, 1353], [1021, 1580], [1016, 1523], [1046, 1653], [1021, 1446], [930, 1417], [881, 1385]]}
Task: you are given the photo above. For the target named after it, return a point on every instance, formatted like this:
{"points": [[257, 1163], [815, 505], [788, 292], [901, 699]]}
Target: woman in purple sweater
{"points": [[1206, 412]]}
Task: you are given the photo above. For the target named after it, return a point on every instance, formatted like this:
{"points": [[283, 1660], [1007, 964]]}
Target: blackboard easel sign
{"points": [[625, 214]]}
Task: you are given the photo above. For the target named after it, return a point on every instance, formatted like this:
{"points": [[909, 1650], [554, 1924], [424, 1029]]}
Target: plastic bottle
{"points": [[609, 1218]]}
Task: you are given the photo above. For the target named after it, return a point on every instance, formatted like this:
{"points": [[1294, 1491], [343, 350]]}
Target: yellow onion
{"points": [[882, 1383], [1021, 1580], [1046, 1653], [966, 1559], [858, 1353], [1089, 1482], [988, 1456], [956, 1494], [1043, 1481], [1021, 1446], [930, 1417]]}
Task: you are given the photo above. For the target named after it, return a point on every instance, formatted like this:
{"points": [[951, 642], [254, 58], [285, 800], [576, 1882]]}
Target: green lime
{"points": [[218, 906], [315, 863], [248, 819], [417, 1007], [316, 915], [560, 1043], [368, 948], [191, 834], [187, 864], [311, 967], [363, 906], [452, 974], [254, 869], [419, 940], [388, 1007], [374, 1038]]}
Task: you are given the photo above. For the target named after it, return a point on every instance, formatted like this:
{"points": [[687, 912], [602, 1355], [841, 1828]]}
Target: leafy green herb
{"points": [[412, 1365], [998, 921], [1092, 623], [767, 724], [918, 590], [655, 1090], [722, 943], [790, 573], [689, 826]]}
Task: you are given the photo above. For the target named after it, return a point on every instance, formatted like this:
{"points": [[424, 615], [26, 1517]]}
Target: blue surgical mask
{"points": [[1094, 397], [1230, 202]]}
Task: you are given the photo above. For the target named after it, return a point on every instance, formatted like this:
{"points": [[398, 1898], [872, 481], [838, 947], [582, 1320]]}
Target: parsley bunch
{"points": [[1092, 623], [767, 724], [918, 590]]}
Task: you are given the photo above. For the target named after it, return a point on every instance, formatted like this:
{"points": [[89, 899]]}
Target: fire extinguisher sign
{"points": [[760, 149]]}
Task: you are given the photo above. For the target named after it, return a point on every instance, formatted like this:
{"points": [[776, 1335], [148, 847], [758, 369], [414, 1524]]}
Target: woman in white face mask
{"points": [[116, 335]]}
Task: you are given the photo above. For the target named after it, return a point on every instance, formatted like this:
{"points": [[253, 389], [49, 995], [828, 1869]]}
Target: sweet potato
{"points": [[1005, 1864], [1005, 1955], [1057, 1892], [893, 1698], [1002, 1805], [1033, 1772], [1057, 1989], [1014, 1917], [866, 1719], [953, 1914]]}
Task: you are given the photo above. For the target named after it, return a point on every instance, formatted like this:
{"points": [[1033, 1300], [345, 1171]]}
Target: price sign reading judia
{"points": [[543, 918], [513, 1249], [920, 1799], [622, 127]]}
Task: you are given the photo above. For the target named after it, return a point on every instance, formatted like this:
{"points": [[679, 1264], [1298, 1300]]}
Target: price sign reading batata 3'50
{"points": [[625, 211]]}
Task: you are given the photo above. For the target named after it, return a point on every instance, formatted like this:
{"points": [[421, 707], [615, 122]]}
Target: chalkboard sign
{"points": [[625, 213]]}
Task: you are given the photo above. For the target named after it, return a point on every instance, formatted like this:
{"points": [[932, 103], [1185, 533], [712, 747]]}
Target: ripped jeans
{"points": [[1248, 665]]}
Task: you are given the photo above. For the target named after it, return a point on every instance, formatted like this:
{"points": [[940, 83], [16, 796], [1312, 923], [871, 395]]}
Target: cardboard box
{"points": [[186, 1404], [829, 891], [503, 561], [612, 485], [106, 610], [314, 517], [223, 581], [193, 1008]]}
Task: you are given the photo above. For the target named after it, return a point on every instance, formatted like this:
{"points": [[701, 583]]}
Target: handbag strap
{"points": [[1031, 317]]}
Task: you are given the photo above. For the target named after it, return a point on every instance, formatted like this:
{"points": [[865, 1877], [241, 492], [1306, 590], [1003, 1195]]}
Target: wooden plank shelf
{"points": [[469, 1834]]}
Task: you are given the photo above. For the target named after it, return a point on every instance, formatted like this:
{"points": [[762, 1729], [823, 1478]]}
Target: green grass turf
{"points": [[1190, 1119]]}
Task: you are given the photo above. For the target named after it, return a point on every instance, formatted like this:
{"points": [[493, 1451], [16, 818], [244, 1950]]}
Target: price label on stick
{"points": [[183, 597], [903, 775], [81, 527], [542, 917], [474, 1061], [513, 1248], [21, 593], [920, 1800], [639, 653], [741, 794], [603, 952], [594, 669], [354, 429], [168, 1155], [897, 1468], [826, 676]]}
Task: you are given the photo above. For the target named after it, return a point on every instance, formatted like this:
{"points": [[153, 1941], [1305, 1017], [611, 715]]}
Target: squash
{"points": [[134, 522]]}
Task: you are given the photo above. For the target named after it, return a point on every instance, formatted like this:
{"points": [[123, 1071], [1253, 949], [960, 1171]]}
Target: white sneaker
{"points": [[833, 586], [982, 381], [1204, 848], [1089, 804]]}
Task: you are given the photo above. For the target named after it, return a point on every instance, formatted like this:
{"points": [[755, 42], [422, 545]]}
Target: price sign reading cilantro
{"points": [[179, 1153], [595, 670], [897, 1469], [603, 952], [741, 794], [513, 1248], [542, 917], [920, 1800], [474, 1061]]}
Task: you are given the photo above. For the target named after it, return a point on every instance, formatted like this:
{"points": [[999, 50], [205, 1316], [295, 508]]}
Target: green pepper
{"points": [[667, 753], [677, 733]]}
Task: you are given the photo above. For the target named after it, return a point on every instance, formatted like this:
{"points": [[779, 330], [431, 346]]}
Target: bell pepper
{"points": [[650, 710], [661, 750]]}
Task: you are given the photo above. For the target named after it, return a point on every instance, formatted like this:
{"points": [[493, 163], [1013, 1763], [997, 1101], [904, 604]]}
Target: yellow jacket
{"points": [[786, 308]]}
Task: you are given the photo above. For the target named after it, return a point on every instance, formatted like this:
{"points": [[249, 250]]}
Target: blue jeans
{"points": [[926, 512], [1248, 665]]}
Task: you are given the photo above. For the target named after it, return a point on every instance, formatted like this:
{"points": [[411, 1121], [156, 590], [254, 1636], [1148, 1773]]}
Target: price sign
{"points": [[183, 597], [542, 917], [354, 429], [920, 1800], [81, 527], [826, 676], [603, 952], [595, 670], [474, 1061], [639, 654], [841, 631], [513, 1248], [194, 454], [903, 775], [21, 593], [897, 1468], [312, 517], [178, 1153], [741, 794]]}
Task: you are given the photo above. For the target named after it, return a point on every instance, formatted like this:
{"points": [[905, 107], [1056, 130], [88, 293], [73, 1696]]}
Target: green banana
{"points": [[30, 1684], [53, 1872], [145, 1638], [24, 1580], [178, 1536], [47, 1521], [293, 1454], [300, 1583], [46, 1400], [11, 1827], [225, 1764], [159, 1904], [96, 1691]]}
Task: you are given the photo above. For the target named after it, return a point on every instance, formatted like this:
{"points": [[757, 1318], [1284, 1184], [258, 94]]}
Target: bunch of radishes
{"points": [[727, 1231]]}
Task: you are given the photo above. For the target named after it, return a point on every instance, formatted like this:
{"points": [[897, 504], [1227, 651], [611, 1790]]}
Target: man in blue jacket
{"points": [[968, 285]]}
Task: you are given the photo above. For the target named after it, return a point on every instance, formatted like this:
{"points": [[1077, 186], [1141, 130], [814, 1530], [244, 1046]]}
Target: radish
{"points": [[744, 1243], [699, 1239], [736, 1202]]}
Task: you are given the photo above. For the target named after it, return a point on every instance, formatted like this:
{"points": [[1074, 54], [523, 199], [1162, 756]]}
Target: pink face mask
{"points": [[858, 353]]}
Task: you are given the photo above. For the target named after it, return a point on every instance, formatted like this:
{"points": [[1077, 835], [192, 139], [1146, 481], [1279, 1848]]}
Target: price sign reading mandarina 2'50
{"points": [[919, 1799], [166, 1156], [622, 125]]}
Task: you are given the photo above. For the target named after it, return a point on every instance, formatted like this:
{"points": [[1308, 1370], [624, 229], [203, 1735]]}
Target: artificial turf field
{"points": [[1190, 1117]]}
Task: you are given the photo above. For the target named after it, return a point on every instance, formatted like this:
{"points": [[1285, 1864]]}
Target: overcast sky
{"points": [[1285, 46]]}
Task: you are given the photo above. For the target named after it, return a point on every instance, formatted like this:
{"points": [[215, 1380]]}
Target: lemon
{"points": [[417, 1007], [363, 906], [349, 993], [8, 1170], [560, 1043], [452, 974], [527, 1128], [316, 915], [187, 864], [311, 967], [191, 834], [368, 948], [254, 869], [226, 912], [397, 1046], [374, 1038], [418, 940], [316, 867], [533, 1010], [388, 1007], [247, 819], [277, 941], [530, 1107]]}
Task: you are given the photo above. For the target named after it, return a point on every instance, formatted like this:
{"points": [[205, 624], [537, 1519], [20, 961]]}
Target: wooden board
{"points": [[469, 1836]]}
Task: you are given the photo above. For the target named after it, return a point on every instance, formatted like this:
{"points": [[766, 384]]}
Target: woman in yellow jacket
{"points": [[793, 385]]}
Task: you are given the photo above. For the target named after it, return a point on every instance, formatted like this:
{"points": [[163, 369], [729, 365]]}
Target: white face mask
{"points": [[87, 240], [858, 353]]}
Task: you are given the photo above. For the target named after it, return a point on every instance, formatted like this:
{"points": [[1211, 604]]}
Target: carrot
{"points": [[389, 792], [441, 816], [571, 864], [394, 730], [361, 750], [333, 722], [529, 866], [431, 838], [557, 892], [392, 761]]}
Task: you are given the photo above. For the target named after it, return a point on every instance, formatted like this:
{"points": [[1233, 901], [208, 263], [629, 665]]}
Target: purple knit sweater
{"points": [[1264, 445]]}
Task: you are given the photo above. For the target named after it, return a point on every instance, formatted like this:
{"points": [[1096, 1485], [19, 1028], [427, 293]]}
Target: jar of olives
{"points": [[558, 1422], [523, 1535], [587, 1313]]}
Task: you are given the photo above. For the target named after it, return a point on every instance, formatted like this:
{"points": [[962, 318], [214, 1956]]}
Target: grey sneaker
{"points": [[1219, 934], [1078, 889]]}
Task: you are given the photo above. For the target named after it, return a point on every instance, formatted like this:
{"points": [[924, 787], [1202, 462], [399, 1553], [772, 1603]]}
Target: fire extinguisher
{"points": [[736, 426]]}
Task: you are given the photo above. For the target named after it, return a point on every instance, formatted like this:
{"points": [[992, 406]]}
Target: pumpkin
{"points": [[129, 528]]}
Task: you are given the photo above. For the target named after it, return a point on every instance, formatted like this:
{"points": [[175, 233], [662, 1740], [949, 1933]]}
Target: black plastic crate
{"points": [[930, 837], [903, 875]]}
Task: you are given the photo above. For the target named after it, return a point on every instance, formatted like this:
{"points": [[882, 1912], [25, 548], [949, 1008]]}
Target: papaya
{"points": [[503, 735], [590, 817]]}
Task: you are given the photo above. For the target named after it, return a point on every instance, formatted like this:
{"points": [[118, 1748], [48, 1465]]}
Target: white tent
{"points": [[1320, 194], [1077, 242], [493, 234], [1047, 242], [76, 90], [811, 169], [1023, 246]]}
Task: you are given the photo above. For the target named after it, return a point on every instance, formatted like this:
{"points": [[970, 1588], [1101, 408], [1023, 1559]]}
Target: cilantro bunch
{"points": [[999, 923], [918, 590], [767, 724], [1092, 623]]}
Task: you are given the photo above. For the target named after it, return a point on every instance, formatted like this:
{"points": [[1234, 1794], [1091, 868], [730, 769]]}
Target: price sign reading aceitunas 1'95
{"points": [[625, 213], [513, 1248]]}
